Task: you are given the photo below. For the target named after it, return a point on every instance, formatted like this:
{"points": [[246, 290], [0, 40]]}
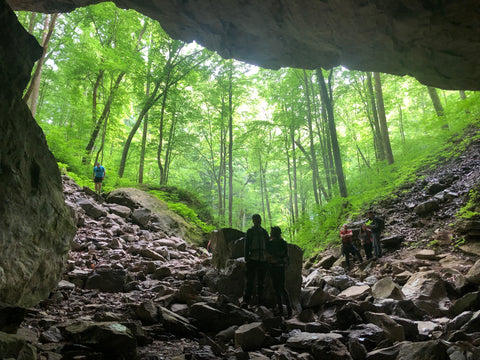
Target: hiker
{"points": [[98, 176], [347, 245], [376, 225], [255, 244], [277, 259], [365, 238]]}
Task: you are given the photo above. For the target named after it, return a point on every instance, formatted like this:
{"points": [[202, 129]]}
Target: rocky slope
{"points": [[133, 288]]}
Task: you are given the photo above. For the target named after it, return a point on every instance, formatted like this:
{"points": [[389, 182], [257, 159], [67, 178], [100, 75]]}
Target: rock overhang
{"points": [[438, 42]]}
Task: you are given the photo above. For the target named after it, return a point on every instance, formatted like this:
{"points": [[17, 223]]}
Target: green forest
{"points": [[220, 140]]}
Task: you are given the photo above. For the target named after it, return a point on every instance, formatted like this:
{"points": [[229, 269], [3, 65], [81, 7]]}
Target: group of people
{"points": [[266, 252], [369, 236]]}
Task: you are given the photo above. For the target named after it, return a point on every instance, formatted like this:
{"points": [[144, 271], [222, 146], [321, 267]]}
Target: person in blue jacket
{"points": [[98, 176]]}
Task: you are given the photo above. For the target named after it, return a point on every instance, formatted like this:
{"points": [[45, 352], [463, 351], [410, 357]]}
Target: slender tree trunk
{"points": [[31, 22], [262, 185], [141, 165], [267, 200], [313, 155], [230, 147], [382, 118], [160, 136], [400, 123], [146, 107], [327, 102], [462, 94], [437, 104], [294, 168], [377, 134], [32, 93], [290, 182], [105, 113]]}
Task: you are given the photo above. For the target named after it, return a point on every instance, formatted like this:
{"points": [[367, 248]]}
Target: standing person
{"points": [[376, 226], [255, 244], [98, 176], [277, 258], [347, 245], [365, 238]]}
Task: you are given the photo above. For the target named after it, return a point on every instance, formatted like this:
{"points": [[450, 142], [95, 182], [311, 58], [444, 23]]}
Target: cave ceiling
{"points": [[436, 41]]}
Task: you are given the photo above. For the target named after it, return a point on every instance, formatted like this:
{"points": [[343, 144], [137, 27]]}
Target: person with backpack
{"points": [[376, 225], [98, 176], [255, 250], [347, 245], [365, 238], [278, 259]]}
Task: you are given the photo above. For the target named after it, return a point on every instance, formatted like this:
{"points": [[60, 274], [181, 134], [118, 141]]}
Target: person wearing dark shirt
{"points": [[278, 259], [365, 238], [376, 225], [255, 247], [347, 245]]}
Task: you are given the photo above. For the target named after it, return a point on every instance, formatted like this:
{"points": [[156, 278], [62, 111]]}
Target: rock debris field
{"points": [[134, 289]]}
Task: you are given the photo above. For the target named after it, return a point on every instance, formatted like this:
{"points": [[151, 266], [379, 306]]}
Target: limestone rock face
{"points": [[437, 42], [35, 225]]}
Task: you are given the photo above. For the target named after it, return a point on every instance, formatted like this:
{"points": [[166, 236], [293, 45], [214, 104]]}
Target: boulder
{"points": [[13, 346], [91, 209], [141, 216], [386, 288], [222, 244], [10, 318], [250, 336], [426, 254], [120, 210], [473, 275], [176, 324], [305, 340], [393, 331], [106, 280], [313, 297], [470, 301], [427, 208], [356, 292], [392, 242], [329, 348], [427, 289]]}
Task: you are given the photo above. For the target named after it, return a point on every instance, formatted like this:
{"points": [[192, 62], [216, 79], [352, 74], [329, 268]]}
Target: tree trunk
{"points": [[230, 147], [294, 169], [327, 102], [400, 123], [105, 113], [437, 104], [313, 155], [377, 134], [382, 118], [31, 95], [290, 182], [146, 107]]}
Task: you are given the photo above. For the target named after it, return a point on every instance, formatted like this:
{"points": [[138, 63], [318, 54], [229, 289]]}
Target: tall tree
{"points": [[382, 118], [31, 95], [437, 104], [377, 133], [327, 101]]}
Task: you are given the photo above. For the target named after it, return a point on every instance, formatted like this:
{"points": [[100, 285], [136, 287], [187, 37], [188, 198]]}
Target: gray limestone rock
{"points": [[36, 227]]}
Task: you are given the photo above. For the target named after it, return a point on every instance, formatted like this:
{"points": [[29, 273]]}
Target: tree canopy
{"points": [[305, 149]]}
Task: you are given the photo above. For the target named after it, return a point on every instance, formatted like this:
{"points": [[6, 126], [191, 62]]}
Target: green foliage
{"points": [[471, 209], [188, 124], [174, 201]]}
